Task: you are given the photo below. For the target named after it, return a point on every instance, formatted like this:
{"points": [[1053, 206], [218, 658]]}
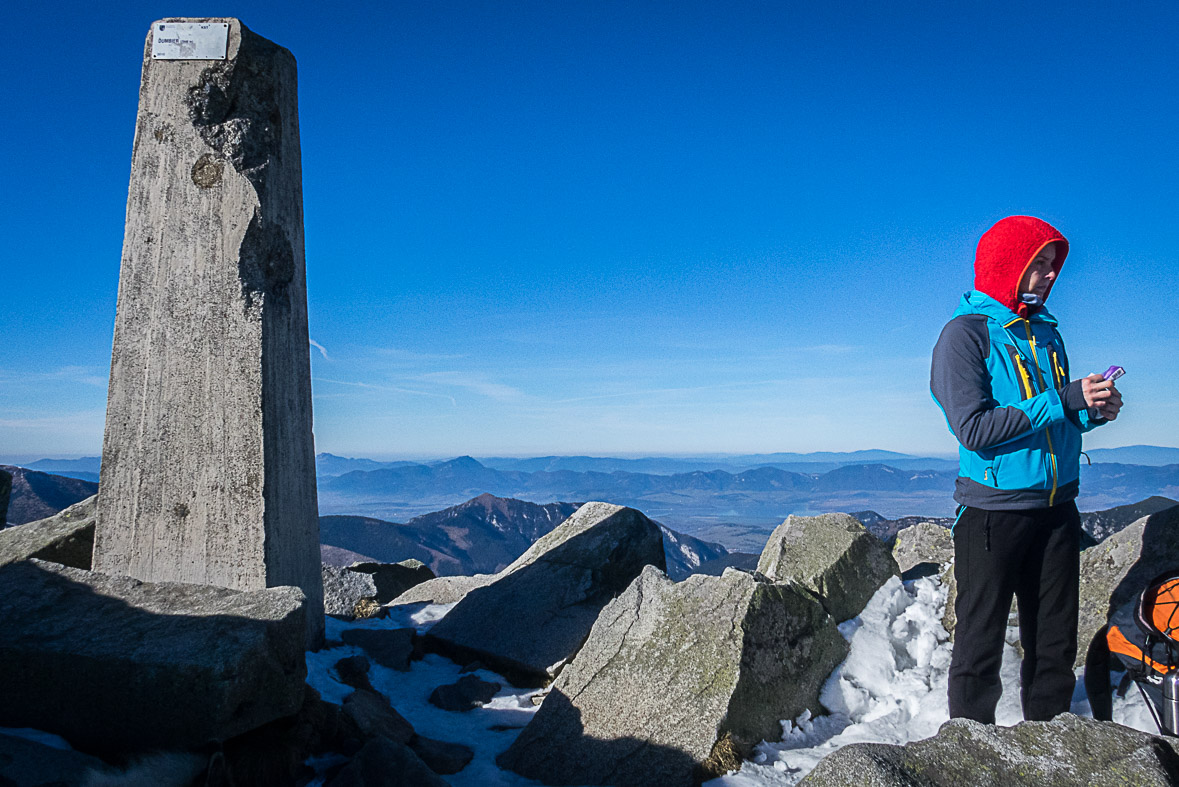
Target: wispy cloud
{"points": [[389, 388], [683, 389], [86, 419], [399, 354], [477, 384], [83, 375], [319, 347]]}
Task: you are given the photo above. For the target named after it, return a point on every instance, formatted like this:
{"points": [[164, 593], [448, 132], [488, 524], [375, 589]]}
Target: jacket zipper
{"points": [[1051, 451]]}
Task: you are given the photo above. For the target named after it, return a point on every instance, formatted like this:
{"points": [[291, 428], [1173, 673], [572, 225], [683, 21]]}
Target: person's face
{"points": [[1040, 274]]}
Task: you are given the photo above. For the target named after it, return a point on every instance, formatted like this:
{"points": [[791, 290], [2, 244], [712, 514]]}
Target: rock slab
{"points": [[1068, 751], [677, 681], [67, 537], [924, 542], [115, 665], [538, 610], [443, 590], [208, 467], [832, 555]]}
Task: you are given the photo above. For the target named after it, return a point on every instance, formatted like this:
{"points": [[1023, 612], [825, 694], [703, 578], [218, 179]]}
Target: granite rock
{"points": [[705, 668], [67, 537], [834, 556], [537, 611], [137, 651]]}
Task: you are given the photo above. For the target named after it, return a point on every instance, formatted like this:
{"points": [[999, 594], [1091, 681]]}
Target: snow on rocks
{"points": [[446, 741], [833, 555]]}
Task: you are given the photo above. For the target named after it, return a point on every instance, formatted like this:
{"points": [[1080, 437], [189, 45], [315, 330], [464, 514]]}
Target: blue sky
{"points": [[628, 227]]}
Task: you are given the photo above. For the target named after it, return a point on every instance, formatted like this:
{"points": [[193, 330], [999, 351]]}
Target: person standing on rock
{"points": [[1001, 376]]}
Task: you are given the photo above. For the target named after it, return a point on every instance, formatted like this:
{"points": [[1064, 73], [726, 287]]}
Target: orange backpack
{"points": [[1145, 636]]}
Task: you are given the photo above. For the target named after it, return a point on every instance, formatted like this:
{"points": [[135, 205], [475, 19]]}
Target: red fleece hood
{"points": [[1004, 253]]}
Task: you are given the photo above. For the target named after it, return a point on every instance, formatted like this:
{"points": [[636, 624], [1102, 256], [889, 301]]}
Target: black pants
{"points": [[1035, 556]]}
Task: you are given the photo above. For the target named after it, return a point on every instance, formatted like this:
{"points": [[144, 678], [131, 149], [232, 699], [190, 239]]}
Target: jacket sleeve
{"points": [[961, 386]]}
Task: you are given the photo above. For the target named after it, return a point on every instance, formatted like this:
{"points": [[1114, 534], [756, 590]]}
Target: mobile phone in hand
{"points": [[1113, 373]]}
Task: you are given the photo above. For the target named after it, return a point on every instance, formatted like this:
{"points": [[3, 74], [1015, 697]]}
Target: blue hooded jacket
{"points": [[1003, 383]]}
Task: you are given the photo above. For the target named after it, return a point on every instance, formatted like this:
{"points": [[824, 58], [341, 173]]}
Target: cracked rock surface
{"points": [[1066, 752], [832, 555], [537, 612], [705, 669]]}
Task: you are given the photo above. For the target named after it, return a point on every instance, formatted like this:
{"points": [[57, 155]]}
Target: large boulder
{"points": [[116, 665], [537, 612], [1068, 751], [678, 681], [67, 537], [1117, 570], [924, 542], [832, 555]]}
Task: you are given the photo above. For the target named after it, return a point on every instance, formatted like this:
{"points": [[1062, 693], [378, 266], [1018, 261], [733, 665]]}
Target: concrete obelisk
{"points": [[208, 465]]}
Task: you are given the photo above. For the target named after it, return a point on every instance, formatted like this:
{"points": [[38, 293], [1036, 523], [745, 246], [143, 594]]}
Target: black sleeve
{"points": [[961, 386]]}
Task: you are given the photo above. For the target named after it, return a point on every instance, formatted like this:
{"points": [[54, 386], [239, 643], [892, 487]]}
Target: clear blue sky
{"points": [[628, 227]]}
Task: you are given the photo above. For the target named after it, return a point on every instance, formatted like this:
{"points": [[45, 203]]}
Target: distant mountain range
{"points": [[694, 501], [733, 499], [36, 495], [327, 465], [482, 536]]}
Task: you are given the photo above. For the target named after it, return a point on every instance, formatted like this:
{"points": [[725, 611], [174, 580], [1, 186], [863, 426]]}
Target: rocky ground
{"points": [[579, 663]]}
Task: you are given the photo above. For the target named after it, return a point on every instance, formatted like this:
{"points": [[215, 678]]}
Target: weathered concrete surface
{"points": [[832, 555], [115, 665], [1068, 751], [924, 542], [679, 680], [1117, 570], [208, 471], [67, 537], [537, 612]]}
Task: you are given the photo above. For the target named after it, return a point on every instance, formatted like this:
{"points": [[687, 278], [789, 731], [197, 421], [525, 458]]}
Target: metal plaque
{"points": [[189, 40]]}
